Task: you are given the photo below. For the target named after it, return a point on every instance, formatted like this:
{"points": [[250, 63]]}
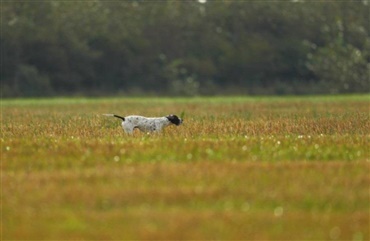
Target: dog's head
{"points": [[174, 119]]}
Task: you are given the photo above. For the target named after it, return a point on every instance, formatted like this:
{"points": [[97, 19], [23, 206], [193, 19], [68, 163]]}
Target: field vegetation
{"points": [[292, 168]]}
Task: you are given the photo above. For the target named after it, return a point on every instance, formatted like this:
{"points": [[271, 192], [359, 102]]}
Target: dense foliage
{"points": [[184, 47]]}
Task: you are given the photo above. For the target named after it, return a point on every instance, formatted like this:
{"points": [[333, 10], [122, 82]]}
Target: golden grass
{"points": [[239, 168]]}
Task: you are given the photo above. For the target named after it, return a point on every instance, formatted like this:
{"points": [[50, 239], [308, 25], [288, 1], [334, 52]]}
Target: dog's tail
{"points": [[117, 116]]}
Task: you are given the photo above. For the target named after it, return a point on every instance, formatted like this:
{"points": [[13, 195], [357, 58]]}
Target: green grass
{"points": [[244, 168]]}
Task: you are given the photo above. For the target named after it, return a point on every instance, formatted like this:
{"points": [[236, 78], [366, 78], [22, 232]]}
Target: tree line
{"points": [[185, 47]]}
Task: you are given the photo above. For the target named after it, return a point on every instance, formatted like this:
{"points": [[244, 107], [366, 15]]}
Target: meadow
{"points": [[246, 168]]}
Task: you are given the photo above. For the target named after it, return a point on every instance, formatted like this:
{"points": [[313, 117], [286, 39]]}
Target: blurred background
{"points": [[184, 48]]}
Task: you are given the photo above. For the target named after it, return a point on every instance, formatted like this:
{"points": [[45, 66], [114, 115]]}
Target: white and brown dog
{"points": [[146, 124]]}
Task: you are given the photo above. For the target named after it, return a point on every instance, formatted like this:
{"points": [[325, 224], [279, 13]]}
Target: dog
{"points": [[147, 124]]}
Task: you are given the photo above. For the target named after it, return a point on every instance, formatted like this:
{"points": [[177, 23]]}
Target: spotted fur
{"points": [[146, 124]]}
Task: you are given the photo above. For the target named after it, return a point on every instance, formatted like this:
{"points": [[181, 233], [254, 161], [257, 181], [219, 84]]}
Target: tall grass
{"points": [[238, 168]]}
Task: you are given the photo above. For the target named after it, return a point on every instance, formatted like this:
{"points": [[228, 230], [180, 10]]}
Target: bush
{"points": [[341, 68], [30, 82]]}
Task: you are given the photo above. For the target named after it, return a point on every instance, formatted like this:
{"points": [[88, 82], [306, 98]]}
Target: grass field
{"points": [[292, 168]]}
